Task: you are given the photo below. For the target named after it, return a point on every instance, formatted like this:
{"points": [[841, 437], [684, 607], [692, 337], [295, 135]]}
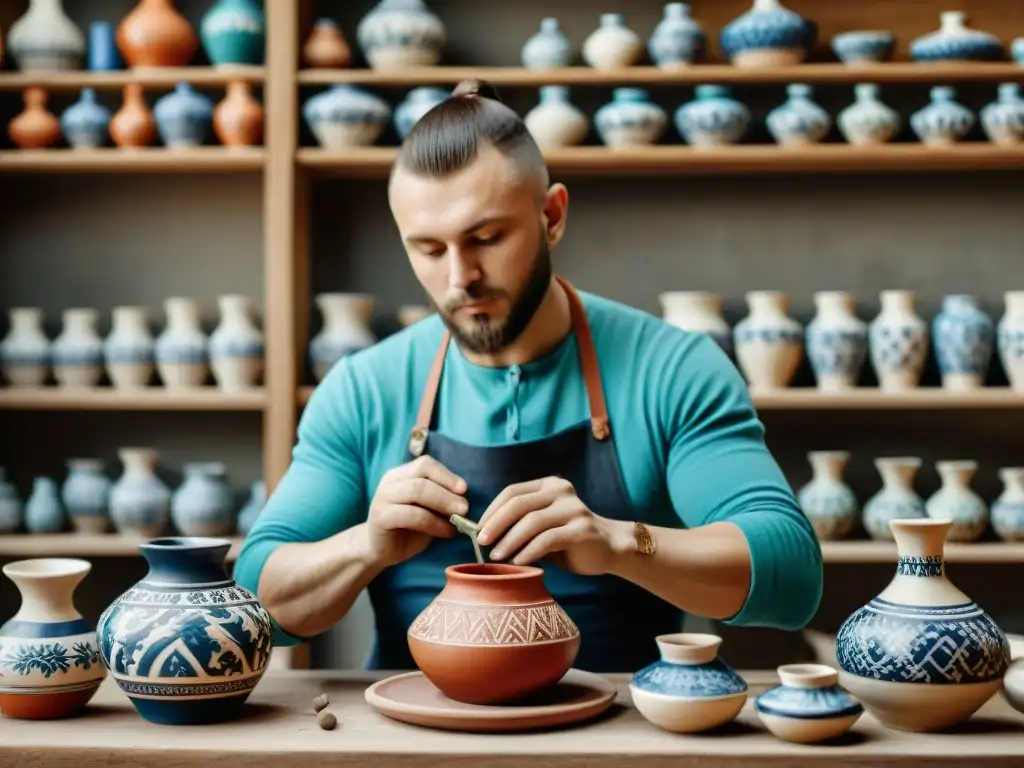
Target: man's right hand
{"points": [[411, 506]]}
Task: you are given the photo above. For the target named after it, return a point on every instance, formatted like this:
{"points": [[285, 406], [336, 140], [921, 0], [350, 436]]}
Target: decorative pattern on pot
{"points": [[182, 356], [1007, 513], [1010, 335], [809, 706], [964, 338], [859, 47], [86, 496], [183, 117], [139, 500], [896, 500], [957, 503], [868, 121], [922, 655], [837, 341], [186, 644], [133, 124], [49, 655], [85, 123], [1003, 119], [10, 505], [399, 34], [799, 121], [326, 46], [25, 350], [955, 41], [154, 34], [769, 344], [613, 45], [346, 116], [34, 127], [234, 32], [630, 119], [556, 121], [236, 345], [203, 505], [898, 342], [253, 507], [128, 348], [827, 500], [416, 104], [346, 329], [77, 353], [768, 35], [944, 121], [678, 40], [690, 689], [713, 118], [699, 312], [43, 510], [45, 39], [547, 48]]}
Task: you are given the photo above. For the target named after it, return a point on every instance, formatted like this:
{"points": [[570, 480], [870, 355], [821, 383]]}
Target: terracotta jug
{"points": [[493, 634], [326, 46], [133, 124], [154, 34], [36, 127], [238, 119]]}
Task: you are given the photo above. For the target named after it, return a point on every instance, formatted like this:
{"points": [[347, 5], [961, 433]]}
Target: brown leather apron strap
{"points": [[418, 438]]}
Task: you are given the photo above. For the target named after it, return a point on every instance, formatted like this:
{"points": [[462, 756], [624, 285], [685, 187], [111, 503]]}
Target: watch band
{"points": [[644, 541]]}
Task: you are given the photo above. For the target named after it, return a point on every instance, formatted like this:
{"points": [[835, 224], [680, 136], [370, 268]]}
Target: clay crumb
{"points": [[320, 702], [326, 720]]}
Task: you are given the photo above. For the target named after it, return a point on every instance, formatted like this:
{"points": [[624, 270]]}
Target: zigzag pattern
{"points": [[445, 622]]}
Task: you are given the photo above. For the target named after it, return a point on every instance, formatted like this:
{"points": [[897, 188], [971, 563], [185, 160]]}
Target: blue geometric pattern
{"points": [[890, 504], [690, 680], [898, 347], [771, 29], [807, 703], [833, 351], [929, 567], [1011, 344]]}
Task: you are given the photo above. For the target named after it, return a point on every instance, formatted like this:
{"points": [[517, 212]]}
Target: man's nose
{"points": [[463, 271]]}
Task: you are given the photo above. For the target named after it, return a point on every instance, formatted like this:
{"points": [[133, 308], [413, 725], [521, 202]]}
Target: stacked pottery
{"points": [[826, 500], [181, 349], [809, 706], [85, 123], [898, 342], [222, 637], [556, 121], [769, 343], [955, 41], [238, 118], [133, 124], [49, 660], [547, 48], [154, 34], [253, 507], [897, 499], [698, 312], [613, 45], [799, 121], [77, 353], [859, 47], [43, 510], [236, 346], [964, 337], [630, 119], [35, 127], [45, 39], [183, 117], [346, 116], [25, 350], [965, 510], [139, 500], [768, 35], [1003, 119], [678, 40], [713, 118], [203, 505], [128, 348], [1007, 513], [10, 505], [233, 32], [943, 121], [837, 341], [86, 496], [415, 105], [1010, 336], [868, 121], [346, 329], [399, 34], [690, 689], [921, 656], [326, 46]]}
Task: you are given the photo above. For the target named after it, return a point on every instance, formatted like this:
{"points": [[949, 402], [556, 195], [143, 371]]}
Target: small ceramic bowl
{"points": [[864, 46], [809, 706]]}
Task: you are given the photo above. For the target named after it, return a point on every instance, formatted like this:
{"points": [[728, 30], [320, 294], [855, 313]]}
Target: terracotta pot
{"points": [[494, 634], [154, 34], [133, 124], [326, 46], [238, 119], [35, 127]]}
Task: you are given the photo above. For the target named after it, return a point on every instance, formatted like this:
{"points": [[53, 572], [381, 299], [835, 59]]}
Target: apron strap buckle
{"points": [[417, 441]]}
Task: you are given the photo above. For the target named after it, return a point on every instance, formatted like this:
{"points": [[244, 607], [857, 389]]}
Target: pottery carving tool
{"points": [[471, 529]]}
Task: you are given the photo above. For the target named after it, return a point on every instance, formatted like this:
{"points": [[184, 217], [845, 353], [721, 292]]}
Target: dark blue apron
{"points": [[617, 620]]}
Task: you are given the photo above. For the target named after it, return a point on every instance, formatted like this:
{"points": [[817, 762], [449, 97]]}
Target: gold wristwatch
{"points": [[644, 540]]}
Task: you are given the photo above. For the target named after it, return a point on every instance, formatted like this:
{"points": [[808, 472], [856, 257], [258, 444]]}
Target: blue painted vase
{"points": [[139, 500], [921, 656], [1007, 513], [346, 329], [898, 342], [43, 510], [630, 119], [799, 121], [837, 341], [253, 507], [186, 643], [957, 502], [85, 123], [809, 706], [769, 343], [25, 352], [964, 340], [346, 116], [10, 505], [547, 48], [690, 689], [827, 501], [955, 41], [713, 118], [677, 40], [896, 499], [863, 46], [868, 121], [398, 34], [416, 104], [203, 505], [86, 496], [1003, 119], [234, 32], [183, 117], [943, 121], [768, 35], [103, 54]]}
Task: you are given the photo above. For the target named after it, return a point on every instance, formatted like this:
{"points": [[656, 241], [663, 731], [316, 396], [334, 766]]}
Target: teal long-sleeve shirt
{"points": [[688, 440]]}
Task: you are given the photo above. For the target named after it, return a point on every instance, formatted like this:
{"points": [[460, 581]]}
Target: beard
{"points": [[482, 334]]}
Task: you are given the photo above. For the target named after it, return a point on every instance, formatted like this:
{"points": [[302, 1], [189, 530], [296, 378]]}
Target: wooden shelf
{"points": [[156, 77], [885, 552], [829, 72], [869, 398], [83, 545], [149, 399], [135, 160]]}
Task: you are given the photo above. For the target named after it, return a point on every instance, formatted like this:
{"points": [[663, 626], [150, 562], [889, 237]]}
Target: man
{"points": [[620, 454]]}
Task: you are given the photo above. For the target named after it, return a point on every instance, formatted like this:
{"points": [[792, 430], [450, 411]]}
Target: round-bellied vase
{"points": [[964, 339], [713, 118], [677, 40], [957, 502], [864, 46], [556, 121], [868, 121], [630, 119], [401, 33], [837, 341], [49, 658], [830, 505], [698, 312], [346, 116], [690, 689], [809, 706], [186, 644], [25, 350], [613, 44], [85, 123], [547, 48], [415, 105], [955, 41], [799, 121], [768, 35], [897, 498], [86, 496], [922, 656], [769, 344], [493, 634], [944, 120], [898, 342], [1003, 119], [1007, 513], [234, 32]]}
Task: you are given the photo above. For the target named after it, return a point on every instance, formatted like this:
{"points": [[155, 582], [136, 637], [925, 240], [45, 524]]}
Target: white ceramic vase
{"points": [[1010, 339], [898, 340], [699, 312], [86, 496], [896, 500], [868, 121], [827, 500], [182, 356], [139, 500], [346, 329], [128, 348], [236, 346], [769, 343], [25, 350], [203, 505], [957, 502], [837, 341], [77, 353], [401, 34], [1007, 513], [45, 39], [556, 121], [613, 44]]}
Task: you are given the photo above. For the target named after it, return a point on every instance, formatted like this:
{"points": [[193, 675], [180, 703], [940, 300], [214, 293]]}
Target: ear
{"points": [[556, 207]]}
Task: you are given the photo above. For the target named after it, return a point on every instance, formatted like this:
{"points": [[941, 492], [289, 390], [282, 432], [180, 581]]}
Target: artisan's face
{"points": [[479, 244]]}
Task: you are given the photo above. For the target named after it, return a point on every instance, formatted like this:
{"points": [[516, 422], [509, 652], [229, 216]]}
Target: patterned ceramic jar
{"points": [[399, 34], [944, 121], [827, 501], [86, 122], [863, 46], [956, 502], [898, 340], [548, 48], [86, 496], [234, 32], [837, 341], [768, 35], [799, 121], [955, 41], [183, 117], [1007, 511], [346, 116], [896, 500], [630, 119], [1003, 119], [713, 118], [868, 121], [416, 104], [613, 44], [964, 338], [678, 40], [809, 706]]}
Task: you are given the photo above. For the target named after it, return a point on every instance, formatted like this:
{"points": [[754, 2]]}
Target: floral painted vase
{"points": [[868, 121], [943, 121], [547, 48], [45, 39], [133, 124], [77, 353], [183, 117], [139, 500], [238, 117], [690, 689], [49, 655], [964, 338], [236, 346], [25, 350], [182, 349], [1010, 339], [154, 34], [768, 35], [896, 500], [399, 34], [234, 32], [346, 116], [713, 118], [677, 40], [799, 121], [955, 41], [769, 344], [556, 121], [415, 105], [86, 496], [203, 505], [837, 341], [809, 705], [956, 502], [86, 122], [346, 329], [128, 348], [1003, 119], [326, 46], [10, 505], [827, 500], [253, 507], [1007, 513], [860, 47], [898, 341], [35, 127], [699, 312], [43, 510], [186, 644], [921, 656], [613, 44], [630, 119]]}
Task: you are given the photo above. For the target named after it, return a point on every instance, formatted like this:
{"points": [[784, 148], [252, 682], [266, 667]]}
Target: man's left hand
{"points": [[546, 519]]}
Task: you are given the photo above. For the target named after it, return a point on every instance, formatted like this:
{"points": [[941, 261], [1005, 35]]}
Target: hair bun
{"points": [[475, 88]]}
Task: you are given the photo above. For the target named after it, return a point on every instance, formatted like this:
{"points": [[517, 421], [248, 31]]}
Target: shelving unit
{"points": [[80, 545], [150, 399], [165, 77]]}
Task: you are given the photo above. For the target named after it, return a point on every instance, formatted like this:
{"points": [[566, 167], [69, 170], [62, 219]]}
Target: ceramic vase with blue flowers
{"points": [[837, 341], [1003, 119], [346, 116], [1007, 512], [50, 666], [769, 343], [252, 508], [400, 34], [234, 32], [139, 500], [183, 117], [236, 345], [182, 348], [547, 48], [868, 121], [128, 348], [898, 342], [630, 119], [415, 105], [86, 496], [10, 504], [827, 501], [921, 656], [677, 40], [697, 312], [25, 350], [556, 121], [964, 338], [45, 39], [186, 643], [203, 505], [85, 123], [1010, 339], [613, 45], [690, 689], [808, 706], [43, 510], [957, 502], [799, 121], [896, 500], [955, 41], [346, 329], [713, 118], [866, 46], [944, 121], [77, 352], [768, 35]]}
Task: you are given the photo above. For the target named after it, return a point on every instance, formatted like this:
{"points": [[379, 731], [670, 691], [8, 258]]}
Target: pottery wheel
{"points": [[412, 698]]}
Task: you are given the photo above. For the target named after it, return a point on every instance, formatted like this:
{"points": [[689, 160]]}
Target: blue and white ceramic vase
{"points": [[713, 119], [186, 643], [896, 500], [86, 496], [677, 40], [837, 341], [898, 341], [697, 312], [43, 510], [10, 505], [85, 123], [630, 119], [867, 121], [547, 48], [964, 339], [346, 329], [921, 656], [234, 32], [415, 105], [798, 121], [826, 499], [1003, 119], [45, 39], [128, 348], [1017, 50], [768, 35], [236, 345], [400, 34], [253, 507], [182, 348], [139, 500], [203, 505], [49, 655], [613, 45], [955, 41], [690, 689], [346, 116], [1010, 339], [183, 117], [769, 343], [1007, 513], [556, 121], [944, 121], [77, 352], [956, 502], [25, 350], [860, 47], [809, 706]]}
